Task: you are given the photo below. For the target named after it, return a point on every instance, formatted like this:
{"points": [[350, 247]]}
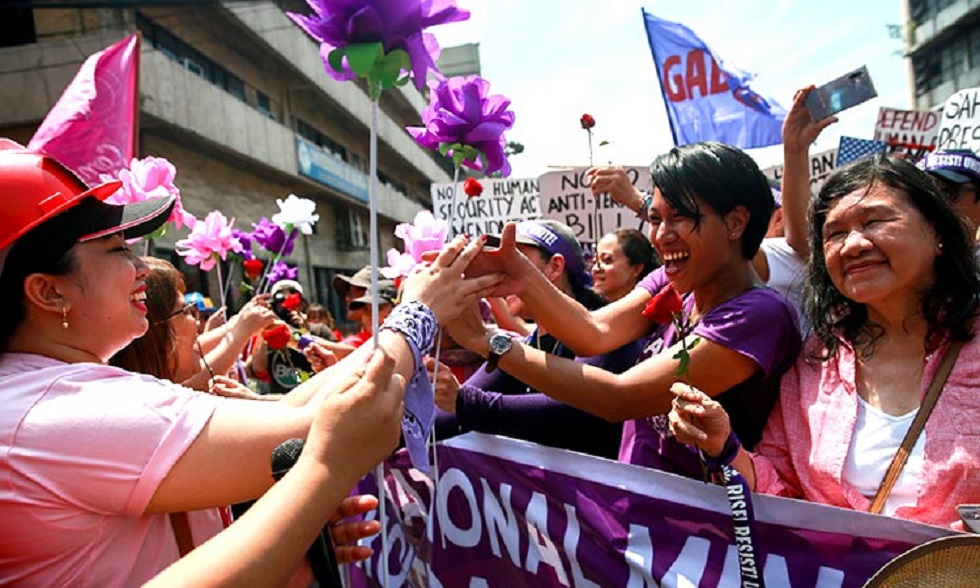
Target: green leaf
{"points": [[694, 342], [445, 148], [603, 143], [362, 57], [336, 60], [157, 233]]}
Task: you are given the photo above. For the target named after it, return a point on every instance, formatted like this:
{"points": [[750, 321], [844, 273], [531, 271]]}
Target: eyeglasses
{"points": [[190, 309]]}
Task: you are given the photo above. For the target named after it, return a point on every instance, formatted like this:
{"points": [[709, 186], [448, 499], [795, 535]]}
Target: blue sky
{"points": [[558, 59]]}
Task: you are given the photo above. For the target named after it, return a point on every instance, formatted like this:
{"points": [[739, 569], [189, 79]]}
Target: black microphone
{"points": [[321, 555]]}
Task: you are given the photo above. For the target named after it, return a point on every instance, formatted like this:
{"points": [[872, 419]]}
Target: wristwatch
{"points": [[500, 343]]}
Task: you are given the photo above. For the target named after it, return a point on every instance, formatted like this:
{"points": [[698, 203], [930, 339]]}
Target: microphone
{"points": [[321, 555]]}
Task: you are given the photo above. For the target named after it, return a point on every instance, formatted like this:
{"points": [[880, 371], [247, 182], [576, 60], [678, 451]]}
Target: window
{"points": [[314, 136], [263, 104]]}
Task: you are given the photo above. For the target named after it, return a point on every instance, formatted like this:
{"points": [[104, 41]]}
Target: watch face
{"points": [[500, 344]]}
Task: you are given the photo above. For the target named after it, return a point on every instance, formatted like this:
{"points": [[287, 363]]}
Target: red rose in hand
{"points": [[292, 301], [587, 121], [277, 336], [663, 306], [252, 268], [472, 187]]}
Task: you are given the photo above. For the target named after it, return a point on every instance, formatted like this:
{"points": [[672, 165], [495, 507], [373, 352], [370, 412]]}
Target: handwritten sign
{"points": [[566, 197], [911, 133], [502, 201], [821, 166], [960, 124]]}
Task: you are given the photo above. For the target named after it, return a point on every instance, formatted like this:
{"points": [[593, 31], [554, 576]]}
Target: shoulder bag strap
{"points": [[915, 429]]}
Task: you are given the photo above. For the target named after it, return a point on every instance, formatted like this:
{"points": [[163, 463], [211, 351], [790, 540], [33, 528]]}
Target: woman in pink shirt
{"points": [[892, 282]]}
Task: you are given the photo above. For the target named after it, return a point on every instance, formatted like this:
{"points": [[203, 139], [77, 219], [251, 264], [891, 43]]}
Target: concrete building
{"points": [[943, 48], [236, 97]]}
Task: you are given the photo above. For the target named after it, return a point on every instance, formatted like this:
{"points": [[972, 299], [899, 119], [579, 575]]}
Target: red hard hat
{"points": [[35, 187]]}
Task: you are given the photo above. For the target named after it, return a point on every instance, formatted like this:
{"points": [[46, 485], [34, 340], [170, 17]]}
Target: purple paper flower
{"points": [[273, 238], [281, 271], [464, 119], [246, 240], [396, 24], [209, 239]]}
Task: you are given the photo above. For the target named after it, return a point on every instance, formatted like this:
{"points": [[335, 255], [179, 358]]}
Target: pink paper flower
{"points": [[151, 177], [426, 233], [209, 239]]}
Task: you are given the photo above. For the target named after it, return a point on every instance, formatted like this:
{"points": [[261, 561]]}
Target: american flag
{"points": [[852, 149]]}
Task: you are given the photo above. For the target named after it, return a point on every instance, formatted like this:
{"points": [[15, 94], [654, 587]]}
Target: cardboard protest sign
{"points": [[821, 166], [911, 133], [960, 124], [566, 197], [516, 514], [503, 200]]}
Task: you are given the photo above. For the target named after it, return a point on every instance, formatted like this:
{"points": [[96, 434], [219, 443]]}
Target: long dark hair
{"points": [[949, 305], [723, 177], [155, 352], [638, 250]]}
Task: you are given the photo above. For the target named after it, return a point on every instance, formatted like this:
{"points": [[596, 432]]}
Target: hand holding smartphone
{"points": [[970, 514], [846, 91]]}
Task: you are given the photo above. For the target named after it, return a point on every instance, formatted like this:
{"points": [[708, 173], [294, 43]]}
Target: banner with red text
{"points": [[911, 133], [92, 127], [512, 513], [706, 97]]}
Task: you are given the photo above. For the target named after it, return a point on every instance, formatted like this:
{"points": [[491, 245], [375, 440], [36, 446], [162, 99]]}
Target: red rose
{"points": [[252, 268], [277, 336], [292, 301], [662, 307], [587, 121], [472, 187]]}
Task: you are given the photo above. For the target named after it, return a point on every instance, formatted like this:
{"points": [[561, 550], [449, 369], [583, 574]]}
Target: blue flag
{"points": [[852, 149], [706, 98]]}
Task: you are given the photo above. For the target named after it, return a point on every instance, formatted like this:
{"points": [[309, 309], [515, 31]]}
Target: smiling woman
{"points": [[94, 459]]}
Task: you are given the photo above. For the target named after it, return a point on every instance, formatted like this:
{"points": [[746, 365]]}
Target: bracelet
{"points": [[416, 322], [645, 203], [728, 453]]}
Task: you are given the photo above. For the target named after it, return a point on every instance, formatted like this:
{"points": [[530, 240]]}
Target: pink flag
{"points": [[92, 127]]}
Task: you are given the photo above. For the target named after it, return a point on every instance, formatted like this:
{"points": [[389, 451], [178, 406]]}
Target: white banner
{"points": [[503, 200], [960, 124], [912, 133], [821, 166]]}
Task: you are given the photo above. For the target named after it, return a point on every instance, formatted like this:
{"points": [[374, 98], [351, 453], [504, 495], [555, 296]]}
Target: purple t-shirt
{"points": [[760, 324]]}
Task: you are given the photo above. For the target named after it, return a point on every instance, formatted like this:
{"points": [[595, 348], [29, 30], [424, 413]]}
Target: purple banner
{"points": [[510, 513]]}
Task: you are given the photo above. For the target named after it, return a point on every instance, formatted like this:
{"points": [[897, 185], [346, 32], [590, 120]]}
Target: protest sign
{"points": [[911, 133], [960, 124], [566, 197], [821, 166], [512, 513], [503, 200]]}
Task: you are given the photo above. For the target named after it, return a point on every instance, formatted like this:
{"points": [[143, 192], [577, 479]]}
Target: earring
{"points": [[64, 317]]}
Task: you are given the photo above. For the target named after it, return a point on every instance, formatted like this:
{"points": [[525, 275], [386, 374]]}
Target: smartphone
{"points": [[844, 92], [970, 513]]}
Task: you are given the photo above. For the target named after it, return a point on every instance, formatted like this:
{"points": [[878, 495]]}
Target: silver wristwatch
{"points": [[500, 343]]}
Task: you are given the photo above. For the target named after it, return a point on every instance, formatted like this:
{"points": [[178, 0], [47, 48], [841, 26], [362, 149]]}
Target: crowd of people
{"points": [[800, 351]]}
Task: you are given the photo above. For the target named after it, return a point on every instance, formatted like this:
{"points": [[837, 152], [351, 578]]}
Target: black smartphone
{"points": [[970, 513], [844, 92]]}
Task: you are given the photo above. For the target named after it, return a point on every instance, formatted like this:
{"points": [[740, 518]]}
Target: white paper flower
{"points": [[300, 213]]}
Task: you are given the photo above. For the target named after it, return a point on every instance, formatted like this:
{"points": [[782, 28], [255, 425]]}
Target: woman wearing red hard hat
{"points": [[95, 462]]}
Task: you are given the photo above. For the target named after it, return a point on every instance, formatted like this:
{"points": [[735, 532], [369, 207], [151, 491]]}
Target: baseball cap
{"points": [[286, 285], [35, 188], [958, 167], [777, 193], [361, 279], [200, 301], [553, 237], [387, 294]]}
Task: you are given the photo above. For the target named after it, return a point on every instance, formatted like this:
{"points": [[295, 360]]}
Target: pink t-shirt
{"points": [[83, 448]]}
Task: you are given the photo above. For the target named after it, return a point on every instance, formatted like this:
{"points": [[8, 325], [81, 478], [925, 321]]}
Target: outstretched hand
{"points": [[799, 128], [696, 419], [346, 533], [506, 259]]}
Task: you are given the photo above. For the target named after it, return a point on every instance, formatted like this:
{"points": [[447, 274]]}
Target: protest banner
{"points": [[911, 133], [566, 197], [503, 200], [960, 124], [512, 513], [821, 166]]}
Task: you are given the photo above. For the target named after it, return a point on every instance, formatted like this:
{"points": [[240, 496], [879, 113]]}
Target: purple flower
{"points": [[281, 271], [246, 240], [273, 238], [462, 118], [396, 24]]}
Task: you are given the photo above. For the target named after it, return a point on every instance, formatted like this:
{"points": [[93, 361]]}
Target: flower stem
{"points": [[452, 209]]}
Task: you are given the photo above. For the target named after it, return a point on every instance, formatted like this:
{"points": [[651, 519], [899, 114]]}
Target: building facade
{"points": [[235, 96], [943, 48]]}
